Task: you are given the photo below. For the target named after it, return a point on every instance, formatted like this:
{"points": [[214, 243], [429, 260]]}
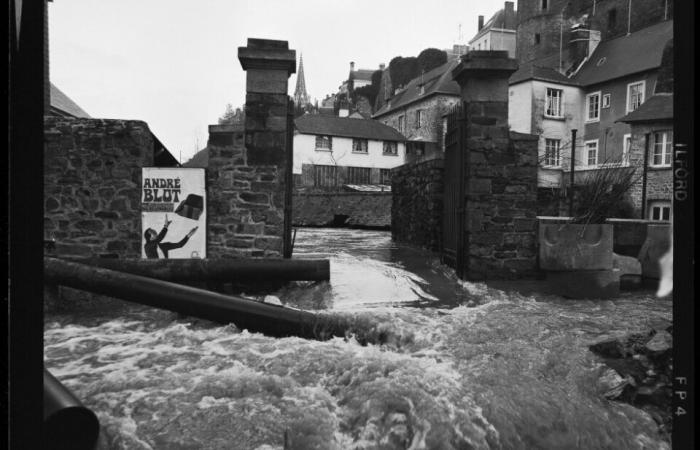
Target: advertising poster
{"points": [[173, 213]]}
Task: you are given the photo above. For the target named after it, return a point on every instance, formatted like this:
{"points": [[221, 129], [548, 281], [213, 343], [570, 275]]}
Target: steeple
{"points": [[301, 98]]}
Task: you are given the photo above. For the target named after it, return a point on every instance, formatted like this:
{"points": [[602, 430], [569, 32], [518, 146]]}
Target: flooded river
{"points": [[461, 365]]}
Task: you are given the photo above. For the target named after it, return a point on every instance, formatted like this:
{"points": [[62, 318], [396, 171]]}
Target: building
{"points": [[301, 98], [652, 129], [331, 151], [498, 33], [615, 77], [418, 110], [543, 28]]}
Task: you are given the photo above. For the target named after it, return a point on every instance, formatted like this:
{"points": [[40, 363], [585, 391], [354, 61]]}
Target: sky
{"points": [[174, 64]]}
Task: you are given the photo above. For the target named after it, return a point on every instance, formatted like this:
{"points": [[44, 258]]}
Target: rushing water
{"points": [[509, 371]]}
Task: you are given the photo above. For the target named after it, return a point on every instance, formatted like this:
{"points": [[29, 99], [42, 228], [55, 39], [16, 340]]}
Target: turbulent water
{"points": [[461, 366]]}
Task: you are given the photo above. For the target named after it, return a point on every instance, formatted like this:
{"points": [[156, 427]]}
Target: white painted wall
{"points": [[342, 155], [520, 107], [548, 128], [496, 39]]}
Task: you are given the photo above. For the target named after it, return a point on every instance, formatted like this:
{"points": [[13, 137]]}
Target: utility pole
{"points": [[571, 175]]}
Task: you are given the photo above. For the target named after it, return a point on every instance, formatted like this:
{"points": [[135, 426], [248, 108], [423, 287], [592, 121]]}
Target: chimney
{"points": [[352, 66], [382, 66], [582, 42], [509, 7], [481, 22]]}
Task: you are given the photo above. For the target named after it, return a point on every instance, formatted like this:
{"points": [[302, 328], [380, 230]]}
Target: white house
{"points": [[498, 33], [331, 151]]}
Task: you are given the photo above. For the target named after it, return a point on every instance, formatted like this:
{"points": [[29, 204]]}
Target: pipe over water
{"points": [[273, 320]]}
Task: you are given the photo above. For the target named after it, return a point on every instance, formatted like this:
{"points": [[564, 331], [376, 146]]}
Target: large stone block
{"points": [[575, 247]]}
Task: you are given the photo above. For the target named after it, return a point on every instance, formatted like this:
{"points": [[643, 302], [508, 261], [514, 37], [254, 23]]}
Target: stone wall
{"points": [[501, 200], [417, 206], [354, 209], [245, 201], [248, 166], [92, 176]]}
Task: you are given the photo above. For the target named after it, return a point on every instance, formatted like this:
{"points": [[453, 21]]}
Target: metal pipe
{"points": [[224, 270], [644, 174], [571, 176], [255, 316], [67, 422]]}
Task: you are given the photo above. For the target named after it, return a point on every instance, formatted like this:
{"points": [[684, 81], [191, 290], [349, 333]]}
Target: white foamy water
{"points": [[511, 373]]}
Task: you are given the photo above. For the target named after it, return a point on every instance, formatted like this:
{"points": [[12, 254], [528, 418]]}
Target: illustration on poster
{"points": [[154, 241]]}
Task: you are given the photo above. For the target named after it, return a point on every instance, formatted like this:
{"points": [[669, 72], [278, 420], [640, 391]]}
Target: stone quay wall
{"points": [[417, 206], [352, 209], [92, 176]]}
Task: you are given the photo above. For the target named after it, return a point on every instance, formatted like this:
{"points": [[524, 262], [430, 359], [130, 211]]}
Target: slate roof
{"points": [[199, 159], [64, 105], [437, 81], [361, 74], [502, 19], [346, 127], [655, 108], [637, 52], [531, 71]]}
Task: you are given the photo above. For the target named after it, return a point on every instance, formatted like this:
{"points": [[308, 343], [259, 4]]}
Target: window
{"points": [[537, 38], [551, 152], [660, 211], [662, 149], [415, 148], [635, 95], [359, 146], [626, 147], [358, 175], [612, 19], [384, 176], [553, 107], [419, 118], [544, 5], [593, 107], [606, 101], [390, 148], [402, 123], [324, 143], [591, 153]]}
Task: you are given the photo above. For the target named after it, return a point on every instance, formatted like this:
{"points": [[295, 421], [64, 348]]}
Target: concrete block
{"points": [[657, 243], [586, 284], [575, 247]]}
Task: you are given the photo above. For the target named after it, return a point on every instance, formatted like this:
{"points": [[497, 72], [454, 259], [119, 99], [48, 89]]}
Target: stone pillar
{"points": [[247, 167], [500, 173]]}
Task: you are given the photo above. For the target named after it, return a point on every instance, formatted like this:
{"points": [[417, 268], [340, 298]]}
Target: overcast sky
{"points": [[173, 63]]}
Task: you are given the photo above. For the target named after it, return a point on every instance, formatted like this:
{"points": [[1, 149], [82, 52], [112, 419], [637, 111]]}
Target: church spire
{"points": [[301, 98]]}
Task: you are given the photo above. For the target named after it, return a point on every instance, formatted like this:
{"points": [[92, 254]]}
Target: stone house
{"points": [[418, 110], [652, 129], [498, 33], [614, 79], [331, 151]]}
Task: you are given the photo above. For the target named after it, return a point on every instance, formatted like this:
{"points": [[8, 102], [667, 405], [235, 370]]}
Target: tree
{"points": [[402, 70], [431, 58], [232, 116]]}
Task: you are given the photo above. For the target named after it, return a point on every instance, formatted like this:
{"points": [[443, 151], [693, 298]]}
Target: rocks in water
{"points": [[640, 372]]}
